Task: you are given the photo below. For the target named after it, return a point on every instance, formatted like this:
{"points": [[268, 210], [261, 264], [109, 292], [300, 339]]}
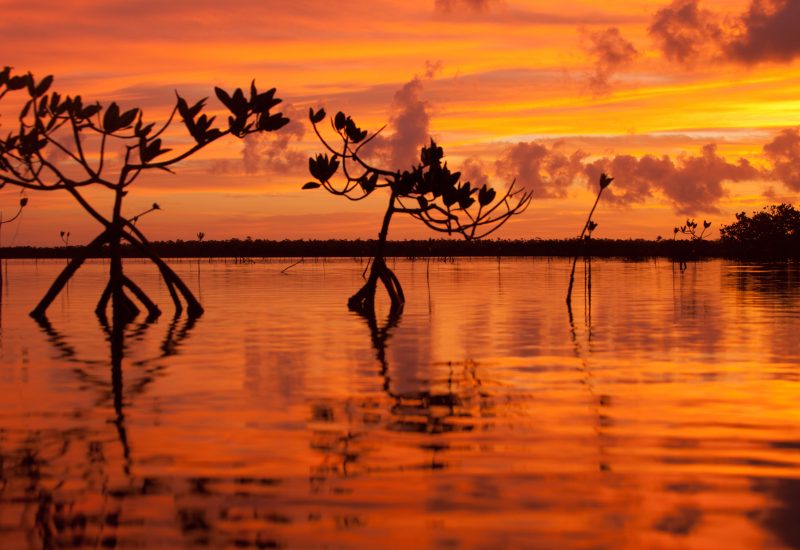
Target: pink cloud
{"points": [[409, 122], [684, 31], [546, 171], [691, 183], [473, 170], [449, 6], [610, 52], [766, 31], [784, 154]]}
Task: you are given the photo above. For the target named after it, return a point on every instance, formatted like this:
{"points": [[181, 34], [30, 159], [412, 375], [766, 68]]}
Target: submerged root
{"points": [[124, 308], [363, 301]]}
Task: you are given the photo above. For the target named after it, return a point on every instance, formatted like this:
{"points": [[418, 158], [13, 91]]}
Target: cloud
{"points": [[545, 171], [473, 170], [270, 152], [610, 52], [411, 124], [632, 176], [768, 31], [685, 32], [410, 121], [784, 154], [691, 183], [450, 6]]}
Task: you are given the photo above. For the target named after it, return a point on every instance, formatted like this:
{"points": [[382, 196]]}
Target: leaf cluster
{"points": [[50, 122], [253, 114]]}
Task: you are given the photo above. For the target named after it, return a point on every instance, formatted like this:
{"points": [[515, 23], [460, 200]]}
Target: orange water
{"points": [[666, 415]]}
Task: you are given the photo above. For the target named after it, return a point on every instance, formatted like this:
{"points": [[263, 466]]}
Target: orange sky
{"points": [[549, 93]]}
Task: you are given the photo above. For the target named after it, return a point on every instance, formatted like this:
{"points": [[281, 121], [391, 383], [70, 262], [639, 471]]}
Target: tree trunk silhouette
{"points": [[363, 301], [123, 307]]}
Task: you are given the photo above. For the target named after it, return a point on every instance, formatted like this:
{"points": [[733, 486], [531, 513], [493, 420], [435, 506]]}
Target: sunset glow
{"points": [[585, 87]]}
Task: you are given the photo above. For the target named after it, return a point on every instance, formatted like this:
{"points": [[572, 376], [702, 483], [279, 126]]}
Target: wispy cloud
{"points": [[449, 6]]}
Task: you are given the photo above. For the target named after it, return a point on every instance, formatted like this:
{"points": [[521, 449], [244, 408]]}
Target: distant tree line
{"points": [[770, 234], [436, 248]]}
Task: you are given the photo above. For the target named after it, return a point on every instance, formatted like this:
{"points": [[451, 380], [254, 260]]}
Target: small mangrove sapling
{"points": [[587, 230], [23, 202]]}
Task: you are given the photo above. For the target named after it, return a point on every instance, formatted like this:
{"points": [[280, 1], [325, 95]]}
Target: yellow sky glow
{"points": [[488, 76]]}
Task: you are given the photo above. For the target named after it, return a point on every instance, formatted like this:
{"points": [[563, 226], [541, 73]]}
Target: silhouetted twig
{"points": [[589, 226]]}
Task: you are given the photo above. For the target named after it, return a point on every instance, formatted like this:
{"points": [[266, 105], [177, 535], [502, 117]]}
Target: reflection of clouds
{"points": [[62, 479], [768, 297], [780, 515], [286, 420]]}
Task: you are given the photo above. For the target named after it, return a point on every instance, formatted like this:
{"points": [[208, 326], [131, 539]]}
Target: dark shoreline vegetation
{"points": [[436, 248]]}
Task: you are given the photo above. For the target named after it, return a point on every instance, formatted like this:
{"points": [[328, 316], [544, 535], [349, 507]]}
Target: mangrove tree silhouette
{"points": [[428, 192], [64, 143]]}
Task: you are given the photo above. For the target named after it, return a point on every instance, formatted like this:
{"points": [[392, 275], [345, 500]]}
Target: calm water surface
{"points": [[666, 414]]}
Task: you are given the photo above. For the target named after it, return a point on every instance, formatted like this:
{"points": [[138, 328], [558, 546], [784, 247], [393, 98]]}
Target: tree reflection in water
{"points": [[66, 486], [443, 404]]}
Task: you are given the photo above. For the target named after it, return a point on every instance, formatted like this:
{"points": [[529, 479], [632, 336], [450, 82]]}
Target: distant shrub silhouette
{"points": [[586, 234], [428, 192], [774, 232], [86, 138]]}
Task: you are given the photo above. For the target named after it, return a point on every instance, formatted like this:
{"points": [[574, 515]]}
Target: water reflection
{"points": [[782, 516], [662, 414], [449, 398], [68, 485]]}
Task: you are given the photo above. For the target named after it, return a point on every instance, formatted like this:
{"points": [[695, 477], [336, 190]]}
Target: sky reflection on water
{"points": [[666, 416]]}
